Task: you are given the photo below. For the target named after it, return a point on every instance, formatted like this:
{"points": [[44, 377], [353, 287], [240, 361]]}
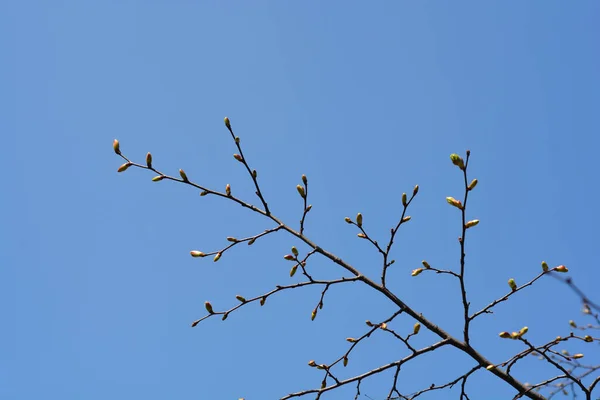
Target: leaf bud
{"points": [[406, 219], [293, 270], [208, 307], [457, 160], [404, 199], [232, 239], [348, 220], [505, 335], [238, 157], [217, 256], [124, 167], [544, 266], [426, 264], [512, 284], [240, 298], [227, 123], [116, 147], [304, 179], [351, 340], [561, 268], [416, 328], [228, 189], [453, 202], [362, 235], [301, 191], [576, 356], [289, 257], [472, 184], [416, 272], [359, 219], [183, 175], [196, 253], [345, 361], [416, 190], [471, 223], [149, 160]]}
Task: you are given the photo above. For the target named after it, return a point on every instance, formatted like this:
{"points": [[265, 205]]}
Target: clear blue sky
{"points": [[98, 289]]}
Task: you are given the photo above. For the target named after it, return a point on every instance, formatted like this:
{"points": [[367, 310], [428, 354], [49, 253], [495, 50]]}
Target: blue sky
{"points": [[98, 288]]}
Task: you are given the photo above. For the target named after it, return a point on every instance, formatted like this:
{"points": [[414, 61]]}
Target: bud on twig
{"points": [[208, 307], [471, 223], [262, 301], [457, 160], [240, 298], [544, 266], [351, 340], [561, 268], [573, 324], [232, 239], [416, 272], [359, 219], [254, 174], [227, 123], [505, 335], [361, 235], [289, 257], [158, 178], [576, 356], [301, 191], [588, 338], [304, 179], [348, 220], [312, 363], [124, 167], [406, 219], [295, 251], [472, 184], [453, 202], [313, 315], [183, 175], [345, 361], [238, 157], [204, 193], [196, 253], [404, 199], [116, 147], [512, 284], [293, 270], [217, 256], [228, 189], [149, 160], [426, 264], [416, 190], [416, 328]]}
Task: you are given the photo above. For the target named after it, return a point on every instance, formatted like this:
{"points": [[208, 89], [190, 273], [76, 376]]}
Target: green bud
{"points": [[512, 284], [124, 167], [158, 178], [301, 191], [359, 219], [116, 147], [149, 160]]}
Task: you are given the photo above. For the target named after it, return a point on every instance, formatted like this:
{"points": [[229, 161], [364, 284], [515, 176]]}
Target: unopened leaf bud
{"points": [[561, 268], [359, 219], [505, 335], [254, 174], [116, 147], [237, 139], [573, 324], [196, 322], [183, 175], [309, 208], [158, 178], [471, 223], [217, 256], [416, 272], [512, 284], [231, 239], [362, 235], [289, 257], [324, 384], [238, 157], [149, 160], [345, 361], [301, 191], [313, 315], [404, 199], [453, 202], [425, 264], [472, 184], [295, 251], [304, 179], [416, 190], [351, 340], [227, 123], [262, 301], [416, 328], [588, 338], [383, 326], [196, 253], [576, 356], [224, 317], [312, 363], [228, 189], [523, 330], [369, 323], [208, 307], [348, 220], [544, 266], [124, 167], [406, 219], [251, 241], [515, 335], [457, 160], [490, 367], [240, 298], [293, 270], [204, 193]]}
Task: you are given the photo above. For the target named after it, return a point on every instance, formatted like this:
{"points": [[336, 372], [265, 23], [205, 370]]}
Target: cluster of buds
{"points": [[514, 335]]}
